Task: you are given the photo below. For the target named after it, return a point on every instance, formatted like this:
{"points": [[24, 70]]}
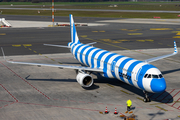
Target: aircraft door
{"points": [[113, 66]]}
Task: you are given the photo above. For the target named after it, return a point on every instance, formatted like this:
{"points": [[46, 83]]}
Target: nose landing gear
{"points": [[146, 98]]}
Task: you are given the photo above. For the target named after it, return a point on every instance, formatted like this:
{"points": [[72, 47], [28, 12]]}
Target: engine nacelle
{"points": [[85, 80]]}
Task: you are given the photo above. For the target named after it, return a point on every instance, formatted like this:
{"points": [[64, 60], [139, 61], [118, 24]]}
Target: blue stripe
{"points": [[76, 51], [99, 58], [70, 43], [81, 56], [142, 72], [116, 59], [130, 69], [106, 63], [70, 25], [74, 31], [87, 55], [92, 57], [73, 45], [123, 63]]}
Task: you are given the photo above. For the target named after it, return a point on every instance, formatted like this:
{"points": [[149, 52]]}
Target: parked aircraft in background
{"points": [[137, 73]]}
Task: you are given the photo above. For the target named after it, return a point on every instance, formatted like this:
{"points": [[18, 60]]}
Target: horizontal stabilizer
{"points": [[57, 45], [91, 43]]}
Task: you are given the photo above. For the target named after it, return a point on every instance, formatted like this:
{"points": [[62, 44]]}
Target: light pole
{"points": [[53, 12]]}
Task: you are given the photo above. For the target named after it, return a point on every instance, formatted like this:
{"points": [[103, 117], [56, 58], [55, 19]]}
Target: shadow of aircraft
{"points": [[164, 97], [93, 87], [156, 114], [170, 71]]}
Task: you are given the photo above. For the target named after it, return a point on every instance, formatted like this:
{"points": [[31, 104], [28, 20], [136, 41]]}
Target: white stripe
{"points": [[85, 51], [96, 57], [75, 48], [146, 84], [118, 64], [103, 58], [72, 21], [135, 71], [90, 55], [80, 52], [126, 66], [109, 66], [72, 47]]}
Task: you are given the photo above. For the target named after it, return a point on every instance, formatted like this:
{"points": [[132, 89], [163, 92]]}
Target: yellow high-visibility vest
{"points": [[129, 103]]}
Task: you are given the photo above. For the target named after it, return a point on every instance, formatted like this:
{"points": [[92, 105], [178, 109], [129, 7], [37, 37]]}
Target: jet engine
{"points": [[85, 80]]}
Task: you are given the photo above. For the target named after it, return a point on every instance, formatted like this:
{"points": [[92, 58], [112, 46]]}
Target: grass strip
{"points": [[83, 3], [166, 7], [91, 14]]}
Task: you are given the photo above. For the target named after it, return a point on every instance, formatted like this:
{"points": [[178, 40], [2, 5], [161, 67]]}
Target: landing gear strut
{"points": [[146, 98]]}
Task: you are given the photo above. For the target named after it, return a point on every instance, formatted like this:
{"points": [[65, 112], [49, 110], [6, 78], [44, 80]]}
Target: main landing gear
{"points": [[146, 98]]}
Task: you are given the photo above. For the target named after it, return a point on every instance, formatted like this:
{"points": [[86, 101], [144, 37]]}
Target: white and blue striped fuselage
{"points": [[134, 72]]}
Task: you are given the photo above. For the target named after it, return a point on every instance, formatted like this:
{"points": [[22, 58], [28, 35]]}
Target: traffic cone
{"points": [[115, 112], [106, 112]]}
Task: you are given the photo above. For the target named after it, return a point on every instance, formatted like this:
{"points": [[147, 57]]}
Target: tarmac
{"points": [[32, 92], [28, 24]]}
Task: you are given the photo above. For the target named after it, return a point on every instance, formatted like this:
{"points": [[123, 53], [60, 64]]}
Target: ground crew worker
{"points": [[129, 103]]}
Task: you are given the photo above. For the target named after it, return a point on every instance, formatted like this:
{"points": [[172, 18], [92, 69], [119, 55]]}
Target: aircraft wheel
{"points": [[148, 100], [145, 100]]}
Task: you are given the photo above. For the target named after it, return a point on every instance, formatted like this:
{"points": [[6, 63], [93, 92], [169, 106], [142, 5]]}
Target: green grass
{"points": [[97, 5], [90, 14], [169, 7], [120, 7], [80, 3]]}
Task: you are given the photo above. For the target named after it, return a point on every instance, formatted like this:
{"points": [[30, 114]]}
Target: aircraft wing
{"points": [[56, 65], [164, 56], [60, 66]]}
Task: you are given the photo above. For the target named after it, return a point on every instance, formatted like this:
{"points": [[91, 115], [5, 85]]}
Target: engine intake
{"points": [[85, 80]]}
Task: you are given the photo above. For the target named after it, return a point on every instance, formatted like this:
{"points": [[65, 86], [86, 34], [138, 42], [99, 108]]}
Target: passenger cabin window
{"points": [[154, 76]]}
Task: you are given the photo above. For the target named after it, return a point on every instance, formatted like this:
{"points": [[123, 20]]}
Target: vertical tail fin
{"points": [[74, 37]]}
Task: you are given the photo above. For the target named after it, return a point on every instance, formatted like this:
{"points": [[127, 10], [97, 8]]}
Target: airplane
{"points": [[139, 74]]}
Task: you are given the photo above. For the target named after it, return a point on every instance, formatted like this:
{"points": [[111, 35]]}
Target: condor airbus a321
{"points": [[137, 73]]}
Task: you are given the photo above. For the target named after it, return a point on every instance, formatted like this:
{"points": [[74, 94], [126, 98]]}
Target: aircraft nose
{"points": [[158, 85]]}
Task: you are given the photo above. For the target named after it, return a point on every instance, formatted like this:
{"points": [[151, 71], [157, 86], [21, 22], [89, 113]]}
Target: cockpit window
{"points": [[149, 76], [154, 76], [145, 75], [160, 76]]}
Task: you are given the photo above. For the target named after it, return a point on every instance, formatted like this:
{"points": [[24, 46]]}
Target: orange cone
{"points": [[106, 112], [115, 112]]}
